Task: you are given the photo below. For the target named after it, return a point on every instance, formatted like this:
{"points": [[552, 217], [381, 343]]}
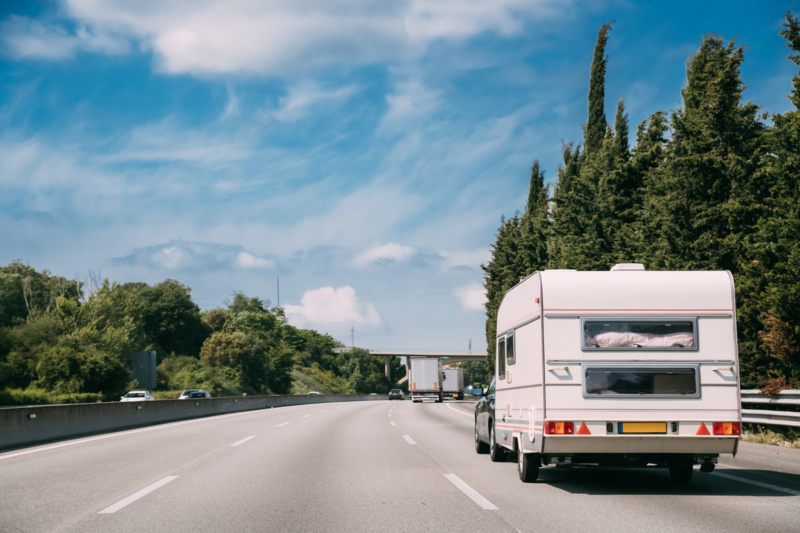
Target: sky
{"points": [[364, 151]]}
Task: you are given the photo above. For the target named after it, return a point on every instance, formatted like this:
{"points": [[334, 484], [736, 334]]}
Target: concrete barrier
{"points": [[20, 426]]}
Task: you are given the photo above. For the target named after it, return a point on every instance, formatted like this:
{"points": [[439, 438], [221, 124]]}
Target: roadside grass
{"points": [[786, 437]]}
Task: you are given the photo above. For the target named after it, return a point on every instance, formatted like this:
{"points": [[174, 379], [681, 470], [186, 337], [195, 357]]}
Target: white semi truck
{"points": [[453, 383], [424, 382]]}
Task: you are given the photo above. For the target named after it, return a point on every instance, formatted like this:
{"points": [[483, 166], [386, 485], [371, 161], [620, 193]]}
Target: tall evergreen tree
{"points": [[702, 198], [596, 123], [535, 225]]}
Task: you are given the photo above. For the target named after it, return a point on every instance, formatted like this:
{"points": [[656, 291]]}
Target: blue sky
{"points": [[364, 151]]}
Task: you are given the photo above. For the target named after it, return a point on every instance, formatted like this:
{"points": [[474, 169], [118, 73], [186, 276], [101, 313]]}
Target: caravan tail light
{"points": [[559, 428], [727, 428]]}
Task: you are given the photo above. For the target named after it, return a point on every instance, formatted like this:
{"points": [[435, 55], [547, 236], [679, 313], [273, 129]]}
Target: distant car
{"points": [[137, 396], [396, 394], [194, 394], [313, 393]]}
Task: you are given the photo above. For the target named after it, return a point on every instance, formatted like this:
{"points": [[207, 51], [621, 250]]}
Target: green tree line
{"points": [[62, 341], [712, 185]]}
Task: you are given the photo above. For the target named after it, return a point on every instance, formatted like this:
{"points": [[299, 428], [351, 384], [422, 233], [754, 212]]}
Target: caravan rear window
{"points": [[639, 334], [645, 381]]}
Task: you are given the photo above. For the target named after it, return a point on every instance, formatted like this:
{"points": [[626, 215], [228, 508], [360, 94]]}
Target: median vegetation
{"points": [[712, 185], [68, 341]]}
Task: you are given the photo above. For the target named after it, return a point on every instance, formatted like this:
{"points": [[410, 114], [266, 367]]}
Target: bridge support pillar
{"points": [[388, 367]]}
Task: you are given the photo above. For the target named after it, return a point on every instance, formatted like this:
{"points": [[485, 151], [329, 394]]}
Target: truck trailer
{"points": [[424, 382], [623, 368], [453, 383]]}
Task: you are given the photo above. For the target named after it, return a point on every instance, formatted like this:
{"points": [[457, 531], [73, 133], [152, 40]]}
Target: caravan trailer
{"points": [[627, 368]]}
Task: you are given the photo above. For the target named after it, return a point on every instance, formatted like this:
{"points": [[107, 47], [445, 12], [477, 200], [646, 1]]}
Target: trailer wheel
{"points": [[528, 465], [480, 446], [496, 453], [681, 474]]}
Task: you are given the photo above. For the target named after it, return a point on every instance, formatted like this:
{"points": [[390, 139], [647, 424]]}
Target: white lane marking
{"points": [[392, 423], [472, 493], [133, 497], [390, 414], [758, 483], [409, 439], [324, 411], [131, 432], [243, 440], [460, 411], [306, 416], [284, 424]]}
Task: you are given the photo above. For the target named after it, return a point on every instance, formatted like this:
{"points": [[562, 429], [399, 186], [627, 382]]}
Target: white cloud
{"points": [[410, 101], [391, 251], [23, 38], [254, 36], [246, 260], [326, 306], [296, 104], [472, 298], [467, 258]]}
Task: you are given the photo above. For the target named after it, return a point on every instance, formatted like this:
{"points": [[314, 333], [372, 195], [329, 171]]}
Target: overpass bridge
{"points": [[446, 357]]}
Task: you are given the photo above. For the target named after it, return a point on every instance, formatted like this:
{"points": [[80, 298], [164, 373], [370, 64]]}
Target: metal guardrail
{"points": [[775, 417]]}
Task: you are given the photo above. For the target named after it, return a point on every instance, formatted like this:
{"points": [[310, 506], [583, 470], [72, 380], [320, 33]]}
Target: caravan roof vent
{"points": [[627, 266]]}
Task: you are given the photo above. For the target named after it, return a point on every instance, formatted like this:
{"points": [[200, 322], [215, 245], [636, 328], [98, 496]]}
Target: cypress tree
{"points": [[537, 192], [621, 133], [535, 225], [596, 123]]}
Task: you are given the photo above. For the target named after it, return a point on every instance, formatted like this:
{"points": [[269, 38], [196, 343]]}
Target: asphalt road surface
{"points": [[366, 466]]}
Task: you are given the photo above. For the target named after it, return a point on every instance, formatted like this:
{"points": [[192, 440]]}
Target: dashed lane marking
{"points": [[137, 495], [472, 493], [306, 416], [392, 423], [243, 440], [409, 439]]}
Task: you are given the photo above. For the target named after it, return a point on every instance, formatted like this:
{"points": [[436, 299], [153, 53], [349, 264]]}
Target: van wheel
{"points": [[480, 446], [681, 474], [496, 453], [528, 465]]}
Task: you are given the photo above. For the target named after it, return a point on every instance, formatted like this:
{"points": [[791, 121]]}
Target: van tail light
{"points": [[727, 428], [559, 428]]}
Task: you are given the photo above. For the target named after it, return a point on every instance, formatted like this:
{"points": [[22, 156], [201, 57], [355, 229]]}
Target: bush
{"points": [[67, 371]]}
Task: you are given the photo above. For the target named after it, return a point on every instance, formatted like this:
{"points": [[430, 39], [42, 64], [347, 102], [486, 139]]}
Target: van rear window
{"points": [[639, 334], [640, 381]]}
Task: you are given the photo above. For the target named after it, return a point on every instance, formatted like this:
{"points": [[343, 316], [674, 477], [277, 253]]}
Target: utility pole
{"points": [[279, 291], [470, 346], [352, 337]]}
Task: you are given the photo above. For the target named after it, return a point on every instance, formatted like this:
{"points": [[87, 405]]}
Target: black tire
{"points": [[527, 465], [496, 453], [681, 474], [480, 446], [439, 399]]}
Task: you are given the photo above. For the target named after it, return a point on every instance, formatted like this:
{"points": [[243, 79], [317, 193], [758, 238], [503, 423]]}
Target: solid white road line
{"points": [[459, 411], [392, 423], [243, 440], [133, 497], [306, 416], [472, 493], [758, 483], [130, 432], [284, 424], [409, 439]]}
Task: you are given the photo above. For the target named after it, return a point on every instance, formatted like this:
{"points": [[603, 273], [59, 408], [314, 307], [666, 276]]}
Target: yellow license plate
{"points": [[643, 427]]}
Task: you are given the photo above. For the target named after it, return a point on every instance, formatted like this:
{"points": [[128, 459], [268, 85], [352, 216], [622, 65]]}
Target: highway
{"points": [[366, 467]]}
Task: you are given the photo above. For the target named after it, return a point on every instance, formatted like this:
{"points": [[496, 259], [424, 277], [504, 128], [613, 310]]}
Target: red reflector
{"points": [[559, 428], [727, 428]]}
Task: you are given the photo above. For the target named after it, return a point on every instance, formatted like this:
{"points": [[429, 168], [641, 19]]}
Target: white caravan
{"points": [[622, 368], [453, 383], [424, 379]]}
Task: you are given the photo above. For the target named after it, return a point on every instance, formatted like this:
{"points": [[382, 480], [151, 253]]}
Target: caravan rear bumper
{"points": [[622, 444]]}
